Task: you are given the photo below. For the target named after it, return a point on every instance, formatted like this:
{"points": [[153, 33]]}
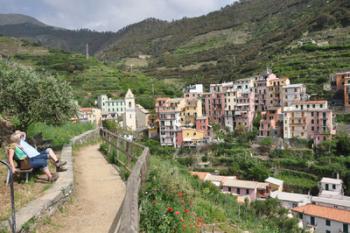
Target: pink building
{"points": [[261, 90], [309, 120], [202, 123], [293, 93], [214, 106], [271, 123], [244, 110], [251, 190]]}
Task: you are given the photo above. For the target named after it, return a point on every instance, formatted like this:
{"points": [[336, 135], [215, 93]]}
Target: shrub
{"points": [[29, 97]]}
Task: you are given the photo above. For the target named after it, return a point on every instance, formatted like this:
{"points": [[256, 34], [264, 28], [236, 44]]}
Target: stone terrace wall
{"points": [[60, 191]]}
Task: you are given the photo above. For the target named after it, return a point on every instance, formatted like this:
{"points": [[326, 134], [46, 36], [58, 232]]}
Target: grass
{"points": [[59, 135], [174, 201]]}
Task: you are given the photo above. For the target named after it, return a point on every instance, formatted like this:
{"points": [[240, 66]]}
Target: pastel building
{"points": [[330, 187], [230, 103], [343, 87], [181, 122], [309, 120], [261, 90], [169, 111], [274, 87], [214, 105], [91, 115], [275, 184], [142, 117], [111, 106], [193, 91], [291, 200], [214, 179], [244, 110], [191, 111], [271, 123], [293, 94], [321, 219], [245, 189]]}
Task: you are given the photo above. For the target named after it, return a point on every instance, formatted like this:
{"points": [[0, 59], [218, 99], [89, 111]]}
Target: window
{"points": [[129, 104], [312, 220], [328, 222], [327, 231], [238, 191], [300, 214], [327, 187], [345, 228], [229, 189], [333, 186], [247, 191]]}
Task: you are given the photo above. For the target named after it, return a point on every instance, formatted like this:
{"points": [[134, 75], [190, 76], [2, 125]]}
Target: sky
{"points": [[108, 15]]}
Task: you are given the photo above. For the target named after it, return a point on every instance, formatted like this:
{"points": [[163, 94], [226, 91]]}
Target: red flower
{"points": [[180, 194], [177, 212], [186, 210], [170, 210]]}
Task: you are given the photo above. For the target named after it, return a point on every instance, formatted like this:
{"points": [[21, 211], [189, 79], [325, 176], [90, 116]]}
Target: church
{"points": [[130, 115]]}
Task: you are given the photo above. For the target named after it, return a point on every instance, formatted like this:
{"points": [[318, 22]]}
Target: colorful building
{"points": [[91, 115], [343, 88], [293, 94], [214, 106], [311, 120], [245, 189], [321, 219], [271, 123], [181, 122]]}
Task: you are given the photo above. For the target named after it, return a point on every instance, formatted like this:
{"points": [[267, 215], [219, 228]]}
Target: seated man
{"points": [[33, 153], [15, 152]]}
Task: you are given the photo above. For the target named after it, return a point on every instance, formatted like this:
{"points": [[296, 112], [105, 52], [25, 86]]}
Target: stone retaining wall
{"points": [[60, 191]]}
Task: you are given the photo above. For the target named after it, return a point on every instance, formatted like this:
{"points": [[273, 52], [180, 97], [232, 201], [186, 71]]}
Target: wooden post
{"points": [[128, 154]]}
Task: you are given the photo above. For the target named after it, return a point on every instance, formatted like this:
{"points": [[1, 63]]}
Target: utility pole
{"points": [[87, 51]]}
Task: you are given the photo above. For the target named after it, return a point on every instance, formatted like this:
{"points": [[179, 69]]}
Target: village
{"points": [[286, 111]]}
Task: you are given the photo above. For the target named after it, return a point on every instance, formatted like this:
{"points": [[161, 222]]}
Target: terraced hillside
{"points": [[241, 40], [88, 77]]}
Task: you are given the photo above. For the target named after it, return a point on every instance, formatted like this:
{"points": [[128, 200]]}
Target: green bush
{"points": [[59, 135]]}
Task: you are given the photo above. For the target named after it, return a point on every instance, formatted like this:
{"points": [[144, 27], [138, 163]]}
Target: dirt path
{"points": [[98, 193]]}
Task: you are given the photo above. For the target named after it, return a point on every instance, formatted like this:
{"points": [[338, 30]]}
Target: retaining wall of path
{"points": [[60, 191]]}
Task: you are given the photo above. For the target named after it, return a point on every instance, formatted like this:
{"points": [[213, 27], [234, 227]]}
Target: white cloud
{"points": [[112, 15]]}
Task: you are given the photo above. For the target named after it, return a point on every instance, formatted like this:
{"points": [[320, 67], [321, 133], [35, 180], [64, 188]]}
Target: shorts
{"points": [[39, 161]]}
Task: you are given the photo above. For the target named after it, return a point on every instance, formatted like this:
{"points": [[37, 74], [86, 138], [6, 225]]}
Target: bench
{"points": [[21, 172]]}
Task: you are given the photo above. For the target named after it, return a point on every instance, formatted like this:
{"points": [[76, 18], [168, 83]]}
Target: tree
{"points": [[28, 97]]}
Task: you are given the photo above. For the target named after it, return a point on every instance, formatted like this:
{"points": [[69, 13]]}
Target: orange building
{"points": [[343, 85]]}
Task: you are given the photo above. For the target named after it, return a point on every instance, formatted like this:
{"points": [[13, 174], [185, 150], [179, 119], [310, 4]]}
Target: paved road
{"points": [[98, 194]]}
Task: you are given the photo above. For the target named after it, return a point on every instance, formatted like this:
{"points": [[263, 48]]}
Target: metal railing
{"points": [[133, 157], [12, 221]]}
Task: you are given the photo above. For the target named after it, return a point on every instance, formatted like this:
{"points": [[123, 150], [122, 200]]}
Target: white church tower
{"points": [[130, 111]]}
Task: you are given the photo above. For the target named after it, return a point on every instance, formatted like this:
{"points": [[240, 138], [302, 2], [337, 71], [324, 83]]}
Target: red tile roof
{"points": [[334, 214]]}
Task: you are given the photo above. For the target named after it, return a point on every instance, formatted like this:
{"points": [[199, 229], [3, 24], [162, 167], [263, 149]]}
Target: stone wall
{"points": [[60, 191]]}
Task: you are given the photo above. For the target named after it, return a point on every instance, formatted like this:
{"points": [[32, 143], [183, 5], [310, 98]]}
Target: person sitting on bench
{"points": [[32, 152], [16, 152]]}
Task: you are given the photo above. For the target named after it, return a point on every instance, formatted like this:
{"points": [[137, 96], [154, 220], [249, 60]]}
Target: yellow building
{"points": [[190, 112], [192, 136]]}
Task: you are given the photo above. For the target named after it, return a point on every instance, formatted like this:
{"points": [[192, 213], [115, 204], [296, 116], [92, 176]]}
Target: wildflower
{"points": [[186, 210], [170, 210], [177, 212], [180, 194]]}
